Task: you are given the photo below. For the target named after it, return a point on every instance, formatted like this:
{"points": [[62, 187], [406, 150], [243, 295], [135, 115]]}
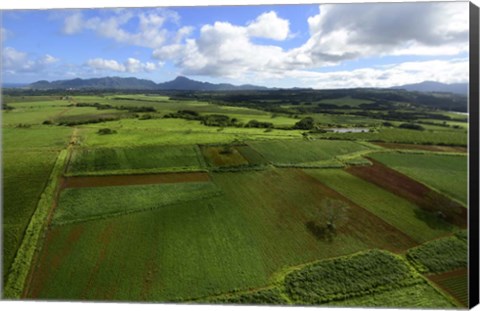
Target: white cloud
{"points": [[384, 76], [15, 61], [270, 26], [131, 65], [337, 33], [149, 32]]}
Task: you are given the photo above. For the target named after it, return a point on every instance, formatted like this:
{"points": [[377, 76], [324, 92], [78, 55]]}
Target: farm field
{"points": [[455, 283], [104, 161], [170, 209], [446, 173], [404, 215]]}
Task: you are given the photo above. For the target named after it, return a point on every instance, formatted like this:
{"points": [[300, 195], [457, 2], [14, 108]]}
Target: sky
{"points": [[305, 45]]}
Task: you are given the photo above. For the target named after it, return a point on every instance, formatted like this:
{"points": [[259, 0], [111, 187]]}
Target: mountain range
{"points": [[432, 86], [181, 83]]}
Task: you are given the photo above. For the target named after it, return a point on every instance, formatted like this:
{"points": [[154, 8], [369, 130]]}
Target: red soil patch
{"points": [[412, 190], [460, 292], [125, 180], [423, 147]]}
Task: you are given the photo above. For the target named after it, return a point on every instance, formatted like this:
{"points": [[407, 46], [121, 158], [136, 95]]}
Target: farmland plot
{"points": [[101, 161], [445, 173], [407, 217]]}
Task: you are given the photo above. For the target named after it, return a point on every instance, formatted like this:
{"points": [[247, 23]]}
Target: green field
{"points": [[396, 135], [445, 173], [421, 296], [407, 217], [81, 204], [439, 255], [25, 175], [223, 214], [307, 153], [104, 161], [228, 239]]}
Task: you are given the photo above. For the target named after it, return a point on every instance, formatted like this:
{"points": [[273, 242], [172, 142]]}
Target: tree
{"points": [[305, 124], [330, 215]]}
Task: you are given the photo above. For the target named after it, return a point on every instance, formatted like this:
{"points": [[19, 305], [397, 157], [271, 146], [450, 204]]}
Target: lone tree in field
{"points": [[333, 213], [329, 215]]}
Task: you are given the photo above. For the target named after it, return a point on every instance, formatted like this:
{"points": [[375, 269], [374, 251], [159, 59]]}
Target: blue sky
{"points": [[319, 46]]}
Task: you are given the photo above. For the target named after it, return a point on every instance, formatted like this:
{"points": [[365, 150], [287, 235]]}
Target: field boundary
{"points": [[22, 264]]}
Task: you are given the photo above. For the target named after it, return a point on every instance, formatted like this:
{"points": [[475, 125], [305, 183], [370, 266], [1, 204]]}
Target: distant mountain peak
{"points": [[434, 86]]}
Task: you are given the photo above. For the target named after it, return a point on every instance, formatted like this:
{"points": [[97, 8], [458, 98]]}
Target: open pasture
{"points": [[81, 204], [217, 244], [307, 153], [445, 173], [400, 213], [396, 135], [134, 132], [144, 159]]}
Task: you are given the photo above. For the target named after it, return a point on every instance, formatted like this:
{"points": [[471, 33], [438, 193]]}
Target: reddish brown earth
{"points": [[412, 190], [423, 147], [459, 292], [125, 180]]}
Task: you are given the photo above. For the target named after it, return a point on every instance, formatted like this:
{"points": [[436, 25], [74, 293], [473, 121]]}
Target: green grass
{"points": [[407, 217], [229, 243], [25, 175], [270, 296], [100, 161], [20, 267], [36, 137], [415, 296], [223, 156], [305, 152], [439, 255], [81, 204], [395, 135], [133, 132], [345, 277], [445, 173]]}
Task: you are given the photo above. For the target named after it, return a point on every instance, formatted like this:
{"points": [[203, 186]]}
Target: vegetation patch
{"points": [[100, 161], [455, 283], [270, 296], [308, 153], [439, 255], [445, 173], [414, 191], [82, 204], [346, 277], [223, 156], [400, 213]]}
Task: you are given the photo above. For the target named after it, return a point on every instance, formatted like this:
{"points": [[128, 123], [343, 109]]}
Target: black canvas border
{"points": [[474, 158]]}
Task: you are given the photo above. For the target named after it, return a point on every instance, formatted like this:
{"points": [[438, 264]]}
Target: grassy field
{"points": [[439, 255], [291, 152], [218, 244], [396, 135], [81, 204], [102, 161], [407, 217], [24, 177], [223, 156], [421, 296], [446, 173]]}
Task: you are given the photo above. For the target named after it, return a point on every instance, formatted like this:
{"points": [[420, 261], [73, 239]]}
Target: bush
{"points": [[257, 124], [411, 126], [47, 122], [440, 255], [305, 124], [106, 131]]}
